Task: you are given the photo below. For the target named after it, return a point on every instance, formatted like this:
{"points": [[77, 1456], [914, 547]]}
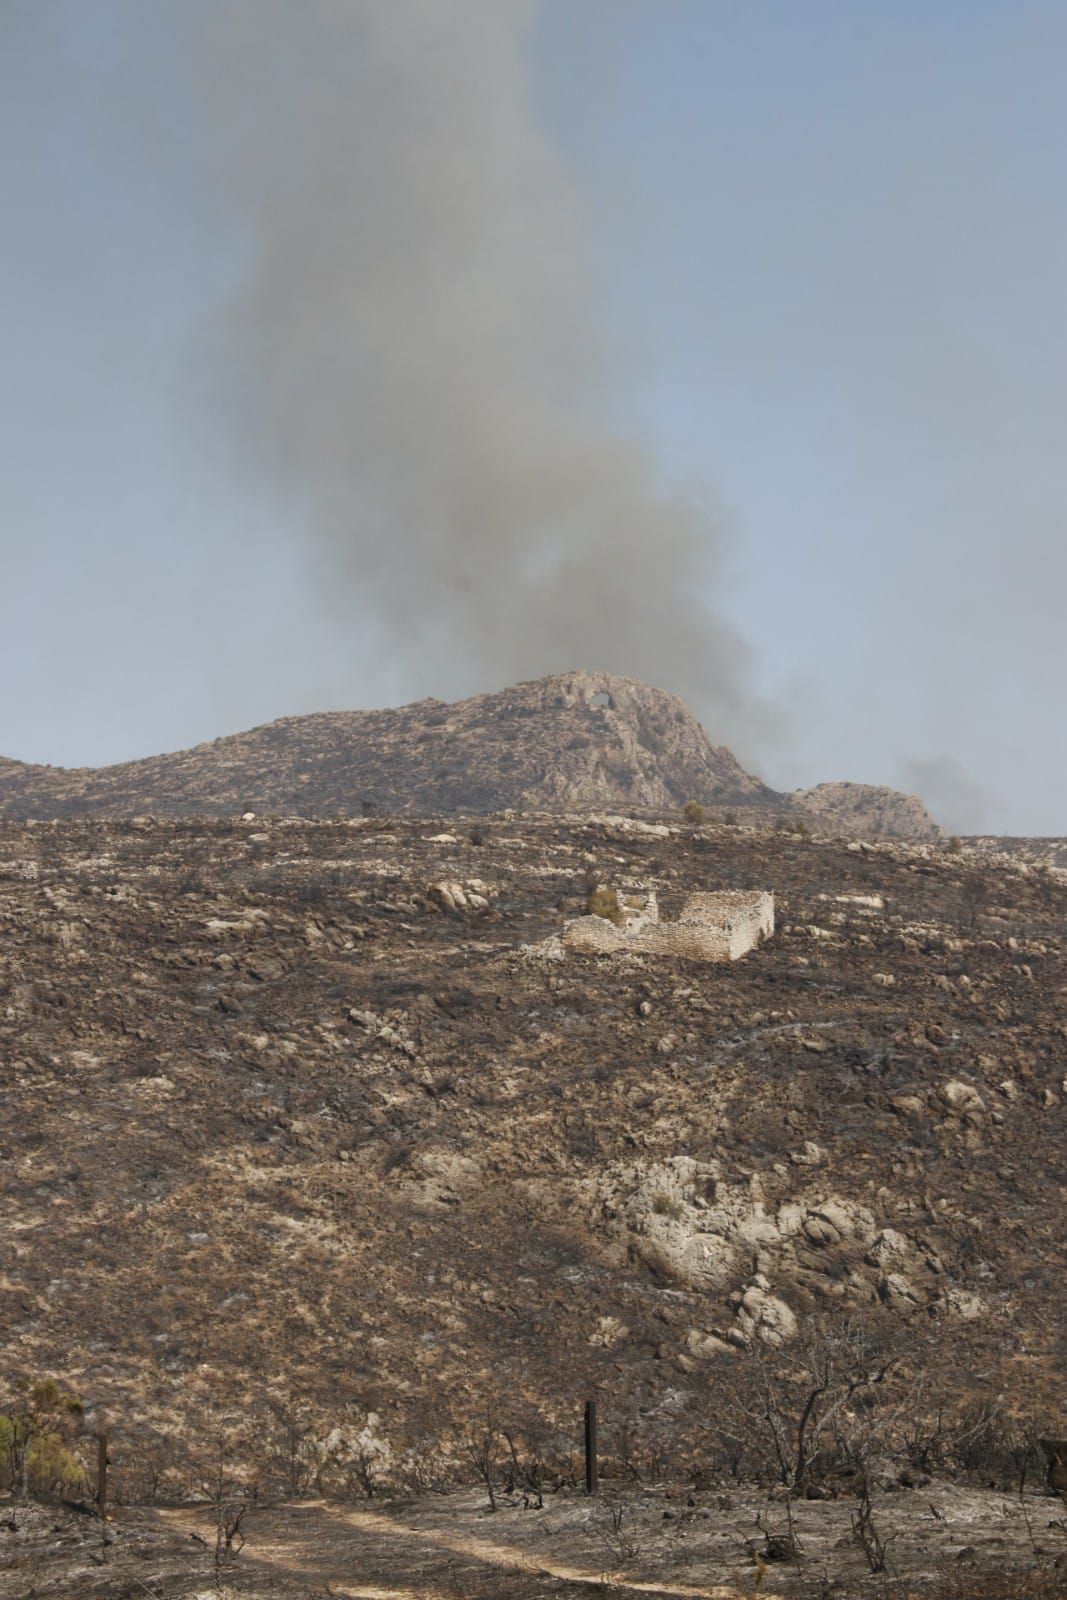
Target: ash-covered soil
{"points": [[946, 1541], [317, 1169]]}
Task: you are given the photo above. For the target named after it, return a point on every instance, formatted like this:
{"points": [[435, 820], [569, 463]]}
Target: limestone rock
{"points": [[898, 1292], [868, 809], [761, 1315], [962, 1097]]}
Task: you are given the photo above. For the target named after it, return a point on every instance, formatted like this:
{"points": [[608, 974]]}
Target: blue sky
{"points": [[825, 249]]}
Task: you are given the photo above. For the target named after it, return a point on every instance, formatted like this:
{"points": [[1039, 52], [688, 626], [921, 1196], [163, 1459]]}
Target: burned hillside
{"points": [[294, 1132]]}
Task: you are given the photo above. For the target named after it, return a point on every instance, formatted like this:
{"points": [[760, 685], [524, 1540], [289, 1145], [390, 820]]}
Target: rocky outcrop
{"points": [[868, 810], [690, 1226], [582, 741]]}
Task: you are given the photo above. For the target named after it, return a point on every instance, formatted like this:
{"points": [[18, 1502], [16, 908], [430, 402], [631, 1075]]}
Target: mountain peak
{"points": [[574, 741]]}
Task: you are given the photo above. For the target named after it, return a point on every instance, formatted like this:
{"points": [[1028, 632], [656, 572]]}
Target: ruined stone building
{"points": [[719, 926]]}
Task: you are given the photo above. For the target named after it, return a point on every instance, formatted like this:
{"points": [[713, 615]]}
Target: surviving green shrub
{"points": [[605, 903], [37, 1435], [695, 813], [613, 904]]}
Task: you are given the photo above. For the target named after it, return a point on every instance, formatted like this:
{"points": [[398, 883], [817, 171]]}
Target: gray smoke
{"points": [[411, 358], [949, 791]]}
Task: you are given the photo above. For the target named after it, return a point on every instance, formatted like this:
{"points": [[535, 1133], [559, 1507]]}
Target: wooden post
{"points": [[101, 1476], [592, 1475]]}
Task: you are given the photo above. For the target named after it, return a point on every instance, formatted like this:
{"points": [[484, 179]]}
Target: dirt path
{"points": [[368, 1555]]}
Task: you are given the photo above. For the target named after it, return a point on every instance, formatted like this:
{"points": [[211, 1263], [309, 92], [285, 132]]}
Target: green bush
{"points": [[605, 903], [37, 1436]]}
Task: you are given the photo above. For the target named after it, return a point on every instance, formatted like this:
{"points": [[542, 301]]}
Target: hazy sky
{"points": [[352, 352]]}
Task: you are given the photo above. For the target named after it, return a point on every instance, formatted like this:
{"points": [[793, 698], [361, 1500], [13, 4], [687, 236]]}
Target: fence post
{"points": [[101, 1476], [592, 1475]]}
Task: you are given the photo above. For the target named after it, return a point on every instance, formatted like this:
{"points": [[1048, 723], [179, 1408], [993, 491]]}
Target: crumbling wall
{"points": [[742, 917], [720, 926]]}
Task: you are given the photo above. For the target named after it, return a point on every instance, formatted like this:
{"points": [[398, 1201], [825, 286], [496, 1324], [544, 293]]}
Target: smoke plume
{"points": [[411, 358], [949, 791]]}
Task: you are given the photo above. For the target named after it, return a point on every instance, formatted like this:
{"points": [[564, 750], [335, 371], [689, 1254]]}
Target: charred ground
{"points": [[270, 1109], [293, 1152]]}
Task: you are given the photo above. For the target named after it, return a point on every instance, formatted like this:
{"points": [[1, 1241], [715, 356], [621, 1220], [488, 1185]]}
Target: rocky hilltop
{"points": [[582, 741], [867, 810]]}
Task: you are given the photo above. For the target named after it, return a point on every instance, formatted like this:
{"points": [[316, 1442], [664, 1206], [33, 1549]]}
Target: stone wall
{"points": [[720, 926]]}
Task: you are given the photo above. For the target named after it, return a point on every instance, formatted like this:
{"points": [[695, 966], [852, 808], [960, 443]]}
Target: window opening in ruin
{"points": [[601, 698]]}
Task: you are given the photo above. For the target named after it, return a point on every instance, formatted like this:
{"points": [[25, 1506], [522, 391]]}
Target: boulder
{"points": [[961, 1097]]}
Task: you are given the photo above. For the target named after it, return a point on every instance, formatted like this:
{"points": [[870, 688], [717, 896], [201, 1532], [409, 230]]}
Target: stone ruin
{"points": [[720, 926]]}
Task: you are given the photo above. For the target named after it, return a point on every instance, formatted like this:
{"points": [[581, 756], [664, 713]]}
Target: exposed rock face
{"points": [[582, 741], [867, 810]]}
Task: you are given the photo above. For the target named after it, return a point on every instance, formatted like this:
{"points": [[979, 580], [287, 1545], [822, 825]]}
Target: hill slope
{"points": [[583, 741], [289, 1143]]}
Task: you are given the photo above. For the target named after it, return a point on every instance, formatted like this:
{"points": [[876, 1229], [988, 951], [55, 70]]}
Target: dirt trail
{"points": [[330, 1546]]}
